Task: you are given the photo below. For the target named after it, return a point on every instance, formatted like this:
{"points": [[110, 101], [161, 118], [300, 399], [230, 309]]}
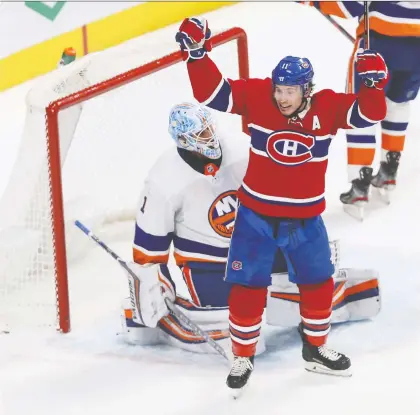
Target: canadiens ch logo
{"points": [[222, 213], [237, 265], [290, 147]]}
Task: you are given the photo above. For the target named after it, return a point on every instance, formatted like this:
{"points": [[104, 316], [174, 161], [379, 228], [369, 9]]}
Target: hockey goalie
{"points": [[189, 202]]}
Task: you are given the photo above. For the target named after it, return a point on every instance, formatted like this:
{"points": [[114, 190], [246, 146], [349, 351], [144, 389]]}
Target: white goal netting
{"points": [[108, 144]]}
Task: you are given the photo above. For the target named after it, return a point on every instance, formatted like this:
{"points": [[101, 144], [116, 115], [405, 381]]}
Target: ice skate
{"points": [[239, 374], [385, 180], [354, 201], [321, 359]]}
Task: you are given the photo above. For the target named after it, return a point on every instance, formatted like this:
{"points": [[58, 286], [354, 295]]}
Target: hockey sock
{"points": [[394, 127], [361, 145], [315, 310], [246, 307]]}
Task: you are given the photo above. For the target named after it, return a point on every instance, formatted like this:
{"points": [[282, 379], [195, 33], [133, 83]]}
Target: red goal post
{"points": [[53, 150]]}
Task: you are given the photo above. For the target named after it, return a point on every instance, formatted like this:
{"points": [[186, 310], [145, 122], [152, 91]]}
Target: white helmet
{"points": [[193, 129]]}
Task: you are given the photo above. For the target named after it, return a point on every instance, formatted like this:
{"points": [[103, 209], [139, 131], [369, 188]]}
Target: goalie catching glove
{"points": [[194, 39], [147, 294]]}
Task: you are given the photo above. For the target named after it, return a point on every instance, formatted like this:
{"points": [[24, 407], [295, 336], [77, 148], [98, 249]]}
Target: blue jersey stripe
{"points": [[356, 120], [152, 242], [221, 101], [354, 8], [367, 139], [394, 126], [258, 138], [190, 246], [393, 9]]}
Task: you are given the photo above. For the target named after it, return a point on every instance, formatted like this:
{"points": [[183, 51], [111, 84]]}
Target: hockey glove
{"points": [[372, 68], [194, 39]]}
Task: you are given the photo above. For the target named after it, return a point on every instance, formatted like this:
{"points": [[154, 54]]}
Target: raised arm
{"points": [[209, 86], [368, 107]]}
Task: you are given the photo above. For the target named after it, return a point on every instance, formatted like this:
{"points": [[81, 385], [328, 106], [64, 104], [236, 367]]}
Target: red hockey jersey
{"points": [[288, 159]]}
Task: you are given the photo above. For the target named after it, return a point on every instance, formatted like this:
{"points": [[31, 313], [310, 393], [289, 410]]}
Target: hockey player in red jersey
{"points": [[282, 193]]}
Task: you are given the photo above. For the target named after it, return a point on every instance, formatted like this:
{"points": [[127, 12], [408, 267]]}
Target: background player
{"points": [[395, 34]]}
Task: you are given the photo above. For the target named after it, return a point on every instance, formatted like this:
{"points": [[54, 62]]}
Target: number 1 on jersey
{"points": [[144, 204]]}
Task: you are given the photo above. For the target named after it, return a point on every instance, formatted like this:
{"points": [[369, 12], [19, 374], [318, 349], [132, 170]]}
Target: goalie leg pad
{"points": [[171, 331], [202, 315], [178, 334], [213, 320], [356, 297], [137, 334]]}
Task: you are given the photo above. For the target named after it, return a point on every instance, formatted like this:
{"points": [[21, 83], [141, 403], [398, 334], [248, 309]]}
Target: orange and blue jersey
{"points": [[394, 28], [389, 18], [188, 213], [154, 249], [151, 249]]}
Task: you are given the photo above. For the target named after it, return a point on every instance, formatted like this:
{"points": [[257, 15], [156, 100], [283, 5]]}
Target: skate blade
{"points": [[383, 194], [322, 370], [356, 210], [237, 393]]}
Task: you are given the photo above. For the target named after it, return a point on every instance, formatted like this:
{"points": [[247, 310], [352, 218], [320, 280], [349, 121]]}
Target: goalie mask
{"points": [[192, 128]]}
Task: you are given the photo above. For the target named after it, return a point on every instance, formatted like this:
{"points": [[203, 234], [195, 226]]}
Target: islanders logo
{"points": [[222, 213], [290, 147]]}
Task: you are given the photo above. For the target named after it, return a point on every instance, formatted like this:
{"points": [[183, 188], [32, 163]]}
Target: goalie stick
{"points": [[172, 308]]}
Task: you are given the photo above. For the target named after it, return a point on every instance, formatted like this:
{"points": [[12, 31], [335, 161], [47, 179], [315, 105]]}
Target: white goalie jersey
{"points": [[195, 212]]}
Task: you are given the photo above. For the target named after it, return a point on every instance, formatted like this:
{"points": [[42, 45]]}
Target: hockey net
{"points": [[92, 131]]}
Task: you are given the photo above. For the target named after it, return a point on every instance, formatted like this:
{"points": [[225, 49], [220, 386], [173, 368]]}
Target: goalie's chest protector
{"points": [[205, 218]]}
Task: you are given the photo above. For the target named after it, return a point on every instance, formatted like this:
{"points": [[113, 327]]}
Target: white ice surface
{"points": [[90, 371]]}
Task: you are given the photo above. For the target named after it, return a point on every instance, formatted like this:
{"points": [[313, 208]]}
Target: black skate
{"points": [[386, 179], [239, 374], [356, 198], [321, 359]]}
